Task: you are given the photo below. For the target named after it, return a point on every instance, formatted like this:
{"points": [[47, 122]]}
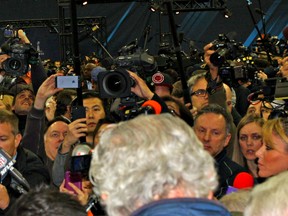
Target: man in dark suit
{"points": [[27, 163]]}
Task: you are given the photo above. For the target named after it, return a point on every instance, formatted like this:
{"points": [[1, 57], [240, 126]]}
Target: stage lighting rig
{"points": [[187, 6], [177, 6]]}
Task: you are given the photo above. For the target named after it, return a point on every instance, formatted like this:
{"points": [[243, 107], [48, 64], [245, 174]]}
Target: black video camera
{"points": [[21, 55], [117, 83], [226, 49], [241, 69]]}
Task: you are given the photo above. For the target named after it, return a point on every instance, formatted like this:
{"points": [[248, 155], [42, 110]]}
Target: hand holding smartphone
{"points": [[67, 81], [78, 112], [75, 178]]}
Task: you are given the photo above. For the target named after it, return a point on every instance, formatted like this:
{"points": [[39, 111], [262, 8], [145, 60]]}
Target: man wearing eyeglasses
{"points": [[207, 88], [199, 95]]}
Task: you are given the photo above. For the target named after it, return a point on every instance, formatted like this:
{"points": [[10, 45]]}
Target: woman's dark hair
{"points": [[184, 112], [63, 99], [99, 124]]}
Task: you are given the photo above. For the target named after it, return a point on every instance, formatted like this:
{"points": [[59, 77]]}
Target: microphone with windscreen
{"points": [[243, 180], [150, 107], [6, 167]]}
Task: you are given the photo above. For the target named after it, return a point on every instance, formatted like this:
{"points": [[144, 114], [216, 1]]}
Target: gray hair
{"points": [[269, 198], [147, 156], [194, 79]]}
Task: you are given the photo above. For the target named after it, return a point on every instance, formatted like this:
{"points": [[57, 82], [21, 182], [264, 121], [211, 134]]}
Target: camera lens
{"points": [[114, 83], [218, 58], [14, 64]]}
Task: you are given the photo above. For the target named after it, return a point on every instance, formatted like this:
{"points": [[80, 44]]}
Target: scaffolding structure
{"points": [[62, 27], [177, 6]]}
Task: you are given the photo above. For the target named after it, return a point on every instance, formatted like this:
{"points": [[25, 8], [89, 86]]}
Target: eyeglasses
{"points": [[200, 93]]}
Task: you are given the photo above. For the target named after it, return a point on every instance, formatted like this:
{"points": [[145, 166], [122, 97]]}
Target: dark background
{"points": [[127, 21]]}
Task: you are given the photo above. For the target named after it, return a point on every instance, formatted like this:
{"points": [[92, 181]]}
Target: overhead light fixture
{"points": [[154, 7], [227, 13], [85, 3]]}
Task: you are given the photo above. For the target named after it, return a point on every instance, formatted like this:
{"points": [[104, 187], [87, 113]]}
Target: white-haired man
{"points": [[154, 165]]}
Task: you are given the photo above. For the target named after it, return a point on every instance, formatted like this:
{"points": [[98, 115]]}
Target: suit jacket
{"points": [[33, 170]]}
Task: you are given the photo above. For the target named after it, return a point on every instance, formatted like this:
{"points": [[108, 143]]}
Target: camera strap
{"points": [[213, 85]]}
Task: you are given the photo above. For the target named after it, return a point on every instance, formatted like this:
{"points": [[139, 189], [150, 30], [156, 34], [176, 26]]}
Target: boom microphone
{"points": [[150, 107], [6, 165], [88, 32]]}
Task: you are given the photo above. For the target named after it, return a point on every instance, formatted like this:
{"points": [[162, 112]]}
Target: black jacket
{"points": [[227, 171], [32, 169]]}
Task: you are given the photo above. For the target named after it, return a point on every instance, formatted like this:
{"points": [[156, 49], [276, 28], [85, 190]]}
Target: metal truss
{"points": [[63, 29], [177, 6], [197, 5], [54, 23]]}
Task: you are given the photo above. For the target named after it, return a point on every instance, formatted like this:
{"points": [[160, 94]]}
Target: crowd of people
{"points": [[224, 152]]}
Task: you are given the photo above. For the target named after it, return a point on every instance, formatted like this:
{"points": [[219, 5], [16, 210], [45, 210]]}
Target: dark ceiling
{"points": [[127, 21]]}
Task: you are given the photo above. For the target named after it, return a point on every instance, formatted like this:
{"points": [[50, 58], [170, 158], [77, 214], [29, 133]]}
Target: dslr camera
{"points": [[21, 55]]}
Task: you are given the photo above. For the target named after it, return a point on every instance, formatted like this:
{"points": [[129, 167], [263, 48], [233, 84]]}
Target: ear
{"points": [[104, 196], [210, 195], [227, 139], [18, 139]]}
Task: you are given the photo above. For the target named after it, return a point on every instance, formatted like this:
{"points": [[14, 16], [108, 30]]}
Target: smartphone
{"points": [[75, 178], [67, 81], [78, 112]]}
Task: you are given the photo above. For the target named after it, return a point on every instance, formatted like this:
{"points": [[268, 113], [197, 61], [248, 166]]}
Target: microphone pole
{"points": [[249, 2], [187, 98], [105, 50], [76, 54], [262, 17], [262, 14], [146, 35]]}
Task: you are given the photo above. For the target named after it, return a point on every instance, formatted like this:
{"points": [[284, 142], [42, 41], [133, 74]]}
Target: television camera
{"points": [[226, 49], [116, 84], [21, 55]]}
